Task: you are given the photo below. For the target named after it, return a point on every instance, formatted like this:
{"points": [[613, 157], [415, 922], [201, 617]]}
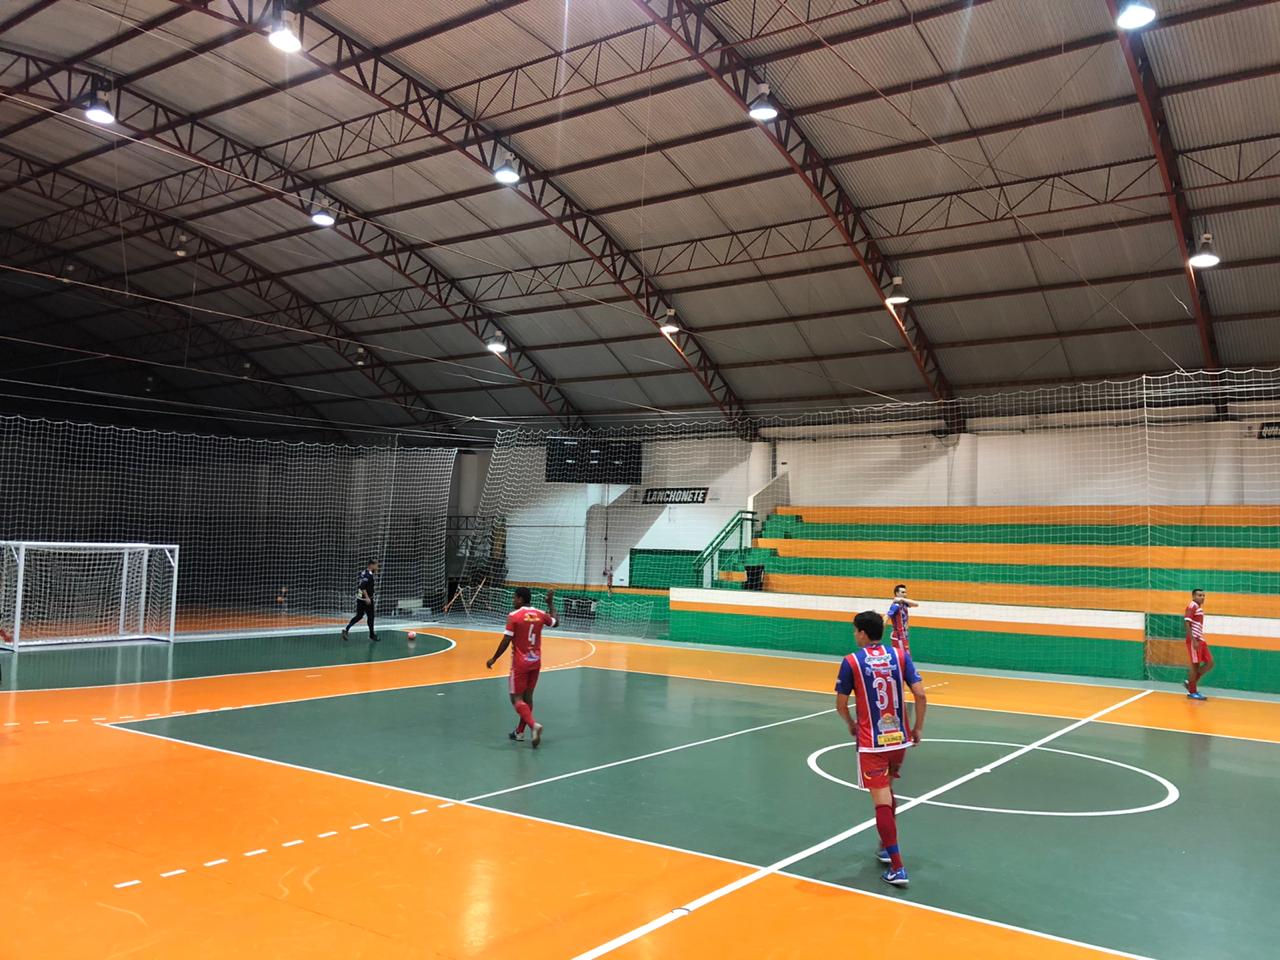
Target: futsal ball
{"points": [[412, 635]]}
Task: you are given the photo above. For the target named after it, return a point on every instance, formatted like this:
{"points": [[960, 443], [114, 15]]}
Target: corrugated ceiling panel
{"points": [[1249, 343], [995, 31], [1074, 80], [1222, 113], [996, 364], [1243, 290], [1022, 315], [1245, 39], [1122, 353]]}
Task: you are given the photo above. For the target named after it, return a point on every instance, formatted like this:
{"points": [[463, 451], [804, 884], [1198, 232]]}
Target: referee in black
{"points": [[365, 587]]}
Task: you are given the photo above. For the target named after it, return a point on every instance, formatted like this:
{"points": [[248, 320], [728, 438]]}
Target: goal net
{"points": [[273, 533], [1057, 530], [54, 593]]}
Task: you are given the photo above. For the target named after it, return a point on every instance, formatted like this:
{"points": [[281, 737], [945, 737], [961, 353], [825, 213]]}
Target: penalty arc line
{"points": [[686, 909]]}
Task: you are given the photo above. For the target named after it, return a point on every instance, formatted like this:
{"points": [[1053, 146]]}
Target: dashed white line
{"points": [[443, 805], [389, 819], [360, 826], [12, 723], [291, 843], [38, 723], [415, 813], [99, 719], [126, 716], [255, 853], [153, 714], [214, 863], [72, 720], [127, 883], [327, 833], [173, 873]]}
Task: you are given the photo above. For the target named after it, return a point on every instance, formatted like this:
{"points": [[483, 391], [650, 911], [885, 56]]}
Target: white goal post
{"points": [[55, 593]]}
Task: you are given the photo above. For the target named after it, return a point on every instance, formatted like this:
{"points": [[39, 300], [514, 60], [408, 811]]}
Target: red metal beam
{"points": [[693, 30], [367, 69], [1151, 100], [103, 208], [228, 158]]}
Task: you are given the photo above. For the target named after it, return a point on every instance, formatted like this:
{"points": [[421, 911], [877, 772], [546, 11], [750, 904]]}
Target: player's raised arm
{"points": [[551, 607]]}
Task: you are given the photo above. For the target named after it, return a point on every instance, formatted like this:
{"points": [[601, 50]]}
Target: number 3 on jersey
{"points": [[884, 693]]}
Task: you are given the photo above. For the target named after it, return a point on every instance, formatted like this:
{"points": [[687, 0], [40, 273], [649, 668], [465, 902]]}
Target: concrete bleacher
{"points": [[1070, 570]]}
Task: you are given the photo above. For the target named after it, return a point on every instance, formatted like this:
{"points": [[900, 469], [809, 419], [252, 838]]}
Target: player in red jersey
{"points": [[524, 636], [900, 617], [875, 675], [1198, 652]]}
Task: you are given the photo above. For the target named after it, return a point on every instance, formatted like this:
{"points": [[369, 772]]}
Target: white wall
{"points": [[1195, 463]]}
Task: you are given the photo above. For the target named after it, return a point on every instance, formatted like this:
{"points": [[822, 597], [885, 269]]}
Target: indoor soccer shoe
{"points": [[897, 878], [1196, 696], [537, 735], [883, 857], [517, 737]]}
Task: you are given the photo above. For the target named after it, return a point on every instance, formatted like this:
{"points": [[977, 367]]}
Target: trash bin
{"points": [[755, 576]]}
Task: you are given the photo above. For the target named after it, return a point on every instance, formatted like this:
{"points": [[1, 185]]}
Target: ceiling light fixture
{"points": [[1205, 255], [668, 326], [897, 294], [99, 109], [322, 217], [1135, 16], [762, 108], [282, 35], [496, 345], [503, 169]]}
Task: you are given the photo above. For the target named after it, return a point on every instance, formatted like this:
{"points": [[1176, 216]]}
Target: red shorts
{"points": [[1199, 652], [522, 681], [878, 770]]}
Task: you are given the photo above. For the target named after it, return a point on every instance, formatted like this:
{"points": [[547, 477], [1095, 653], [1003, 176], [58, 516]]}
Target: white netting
{"points": [[1054, 529], [71, 593], [271, 533]]}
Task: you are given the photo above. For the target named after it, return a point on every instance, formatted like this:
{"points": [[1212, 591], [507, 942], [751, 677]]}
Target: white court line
{"points": [[256, 853], [917, 905], [683, 911], [700, 855], [645, 756], [327, 833], [255, 673], [127, 883], [215, 863], [173, 873], [291, 843]]}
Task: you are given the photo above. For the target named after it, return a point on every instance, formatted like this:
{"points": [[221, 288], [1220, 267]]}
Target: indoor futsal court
{"points": [[655, 479]]}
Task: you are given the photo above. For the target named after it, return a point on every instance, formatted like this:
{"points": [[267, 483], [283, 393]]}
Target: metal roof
{"points": [[1036, 178]]}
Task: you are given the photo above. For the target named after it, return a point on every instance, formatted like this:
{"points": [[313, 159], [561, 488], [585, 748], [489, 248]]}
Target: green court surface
{"points": [[87, 665], [1187, 877]]}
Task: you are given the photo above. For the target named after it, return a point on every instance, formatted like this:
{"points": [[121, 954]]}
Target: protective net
{"points": [[1054, 530], [86, 592], [272, 534]]}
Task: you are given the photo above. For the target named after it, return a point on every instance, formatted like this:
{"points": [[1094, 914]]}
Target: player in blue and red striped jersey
{"points": [[1198, 652], [874, 674], [899, 618], [524, 635]]}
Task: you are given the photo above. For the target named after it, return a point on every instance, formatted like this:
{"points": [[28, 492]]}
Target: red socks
{"points": [[887, 824], [526, 714], [1191, 682]]}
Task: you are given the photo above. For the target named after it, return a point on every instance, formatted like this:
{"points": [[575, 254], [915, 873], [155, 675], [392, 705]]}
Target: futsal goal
{"points": [[53, 593]]}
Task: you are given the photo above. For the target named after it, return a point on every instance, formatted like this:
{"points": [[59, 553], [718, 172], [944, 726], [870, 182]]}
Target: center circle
{"points": [[1170, 797]]}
